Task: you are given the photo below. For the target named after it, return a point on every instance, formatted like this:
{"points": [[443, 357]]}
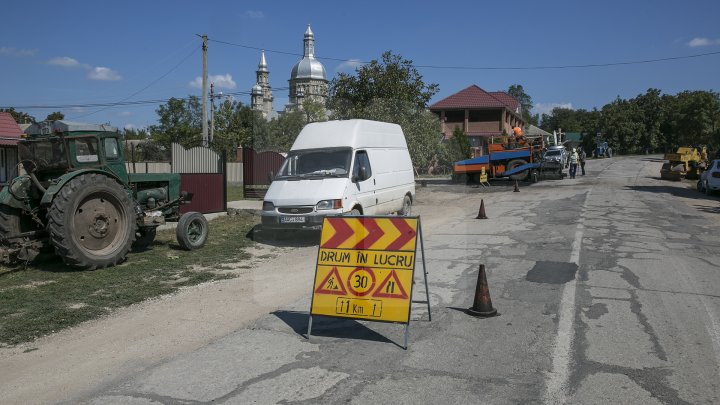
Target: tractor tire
{"points": [[192, 231], [517, 176], [144, 237], [91, 222]]}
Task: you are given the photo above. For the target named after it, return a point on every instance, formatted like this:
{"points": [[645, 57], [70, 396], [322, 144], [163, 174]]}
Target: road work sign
{"points": [[365, 268]]}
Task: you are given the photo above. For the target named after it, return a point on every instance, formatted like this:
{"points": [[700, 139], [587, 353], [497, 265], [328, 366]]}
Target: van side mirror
{"points": [[362, 175]]}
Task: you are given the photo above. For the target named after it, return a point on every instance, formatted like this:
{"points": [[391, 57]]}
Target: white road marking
{"points": [[558, 379]]}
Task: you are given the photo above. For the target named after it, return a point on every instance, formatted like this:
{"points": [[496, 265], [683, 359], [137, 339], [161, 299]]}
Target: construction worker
{"points": [[583, 156], [519, 137], [574, 159]]}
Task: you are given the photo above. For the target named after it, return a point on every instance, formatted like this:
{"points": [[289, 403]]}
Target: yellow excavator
{"points": [[688, 162]]}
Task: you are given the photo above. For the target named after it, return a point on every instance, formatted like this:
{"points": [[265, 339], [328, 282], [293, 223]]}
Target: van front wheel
{"points": [[406, 208]]}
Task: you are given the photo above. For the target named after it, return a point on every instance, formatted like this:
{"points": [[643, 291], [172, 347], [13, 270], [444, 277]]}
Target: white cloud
{"points": [[546, 108], [10, 51], [103, 73], [129, 126], [696, 42], [254, 14], [351, 64], [221, 82], [68, 62], [93, 72]]}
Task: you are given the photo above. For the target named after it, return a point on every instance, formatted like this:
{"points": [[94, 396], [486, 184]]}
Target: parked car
{"points": [[355, 167], [557, 154], [710, 179]]}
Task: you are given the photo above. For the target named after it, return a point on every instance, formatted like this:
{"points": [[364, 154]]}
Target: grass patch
{"points": [[48, 296], [235, 193]]}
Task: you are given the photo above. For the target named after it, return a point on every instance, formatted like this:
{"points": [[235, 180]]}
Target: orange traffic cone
{"points": [[481, 213], [482, 305], [516, 190]]}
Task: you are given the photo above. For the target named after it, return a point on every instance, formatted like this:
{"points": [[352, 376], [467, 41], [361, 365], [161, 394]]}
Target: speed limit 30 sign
{"points": [[365, 268]]}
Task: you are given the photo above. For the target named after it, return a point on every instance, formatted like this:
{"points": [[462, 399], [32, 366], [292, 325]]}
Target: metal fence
{"points": [[256, 168], [202, 174], [234, 170]]}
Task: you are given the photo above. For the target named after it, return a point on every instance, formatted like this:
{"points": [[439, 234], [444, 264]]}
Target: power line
{"points": [[549, 67], [144, 88], [119, 103]]}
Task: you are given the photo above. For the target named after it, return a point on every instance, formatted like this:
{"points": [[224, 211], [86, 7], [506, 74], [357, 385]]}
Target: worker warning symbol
{"points": [[332, 284], [391, 287]]}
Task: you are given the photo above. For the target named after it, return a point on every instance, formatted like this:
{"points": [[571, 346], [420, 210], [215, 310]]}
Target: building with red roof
{"points": [[10, 134], [480, 114]]}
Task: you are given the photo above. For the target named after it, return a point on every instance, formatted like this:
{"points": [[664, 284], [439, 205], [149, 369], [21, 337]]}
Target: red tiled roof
{"points": [[475, 97], [509, 100], [9, 129]]}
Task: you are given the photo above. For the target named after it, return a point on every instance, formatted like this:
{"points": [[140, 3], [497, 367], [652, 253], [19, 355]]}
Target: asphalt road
{"points": [[608, 289]]}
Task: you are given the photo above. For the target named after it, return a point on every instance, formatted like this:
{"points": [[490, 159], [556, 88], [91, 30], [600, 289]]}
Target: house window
{"points": [[483, 116], [455, 116]]}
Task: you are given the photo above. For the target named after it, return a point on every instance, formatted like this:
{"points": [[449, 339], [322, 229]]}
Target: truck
{"points": [[505, 158], [687, 161], [73, 196]]}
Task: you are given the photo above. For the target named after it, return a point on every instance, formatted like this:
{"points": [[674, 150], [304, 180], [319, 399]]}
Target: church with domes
{"points": [[308, 81]]}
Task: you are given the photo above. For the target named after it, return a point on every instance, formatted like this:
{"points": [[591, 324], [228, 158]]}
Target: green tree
{"points": [[19, 117], [233, 127], [526, 103], [561, 118], [179, 120], [459, 147], [314, 111], [55, 116], [391, 90], [697, 118], [281, 132], [391, 78], [651, 115], [622, 126]]}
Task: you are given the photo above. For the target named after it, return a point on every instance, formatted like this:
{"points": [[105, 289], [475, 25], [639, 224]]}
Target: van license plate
{"points": [[292, 220]]}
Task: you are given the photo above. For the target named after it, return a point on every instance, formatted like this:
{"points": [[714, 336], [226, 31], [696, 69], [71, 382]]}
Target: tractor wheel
{"points": [[517, 176], [144, 237], [192, 231], [91, 222]]}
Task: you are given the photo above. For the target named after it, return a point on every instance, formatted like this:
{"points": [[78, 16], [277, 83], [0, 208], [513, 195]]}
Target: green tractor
{"points": [[73, 195]]}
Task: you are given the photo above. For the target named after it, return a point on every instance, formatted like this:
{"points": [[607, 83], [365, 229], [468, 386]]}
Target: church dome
{"points": [[308, 68], [256, 89]]}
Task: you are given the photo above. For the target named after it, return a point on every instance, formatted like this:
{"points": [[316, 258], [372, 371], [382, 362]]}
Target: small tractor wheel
{"points": [[91, 222], [192, 231], [144, 237], [517, 176]]}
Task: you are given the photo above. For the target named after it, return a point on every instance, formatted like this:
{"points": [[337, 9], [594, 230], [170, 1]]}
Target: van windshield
{"points": [[315, 164]]}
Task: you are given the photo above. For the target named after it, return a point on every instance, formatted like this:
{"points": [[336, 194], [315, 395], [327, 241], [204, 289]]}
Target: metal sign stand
{"points": [[427, 293], [427, 290]]}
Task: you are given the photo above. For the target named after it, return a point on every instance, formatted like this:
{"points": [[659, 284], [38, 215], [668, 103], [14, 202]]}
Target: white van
{"points": [[356, 167]]}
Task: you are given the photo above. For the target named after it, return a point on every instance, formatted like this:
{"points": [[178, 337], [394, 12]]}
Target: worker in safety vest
{"points": [[519, 137]]}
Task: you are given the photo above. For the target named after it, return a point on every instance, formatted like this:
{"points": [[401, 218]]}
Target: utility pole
{"points": [[204, 91], [212, 111]]}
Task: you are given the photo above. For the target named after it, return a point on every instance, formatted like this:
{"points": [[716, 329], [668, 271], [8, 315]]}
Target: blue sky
{"points": [[84, 52]]}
